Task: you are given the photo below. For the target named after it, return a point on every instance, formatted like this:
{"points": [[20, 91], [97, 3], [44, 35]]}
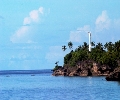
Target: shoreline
{"points": [[95, 70]]}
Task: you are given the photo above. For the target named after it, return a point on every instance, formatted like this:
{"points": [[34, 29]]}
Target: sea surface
{"points": [[41, 85]]}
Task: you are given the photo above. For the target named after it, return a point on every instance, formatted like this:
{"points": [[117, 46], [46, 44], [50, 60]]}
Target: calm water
{"points": [[41, 85]]}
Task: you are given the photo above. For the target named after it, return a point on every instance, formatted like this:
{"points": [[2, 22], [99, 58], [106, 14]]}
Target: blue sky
{"points": [[32, 32]]}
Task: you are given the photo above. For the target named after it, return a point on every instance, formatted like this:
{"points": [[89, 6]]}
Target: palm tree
{"points": [[92, 43], [79, 47], [70, 45], [99, 46], [64, 48], [85, 46], [117, 46], [57, 63], [106, 46], [109, 46]]}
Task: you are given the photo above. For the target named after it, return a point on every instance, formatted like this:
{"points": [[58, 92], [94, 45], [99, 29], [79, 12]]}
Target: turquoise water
{"points": [[41, 85]]}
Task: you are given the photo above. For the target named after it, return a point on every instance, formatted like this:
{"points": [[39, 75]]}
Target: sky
{"points": [[32, 32]]}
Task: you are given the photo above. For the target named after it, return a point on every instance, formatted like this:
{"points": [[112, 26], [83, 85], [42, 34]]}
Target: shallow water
{"points": [[41, 85]]}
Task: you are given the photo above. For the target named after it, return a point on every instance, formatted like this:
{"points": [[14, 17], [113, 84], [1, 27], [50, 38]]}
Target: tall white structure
{"points": [[89, 41]]}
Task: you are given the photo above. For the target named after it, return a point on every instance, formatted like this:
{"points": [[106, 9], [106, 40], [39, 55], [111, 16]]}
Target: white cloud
{"points": [[34, 16], [41, 10], [77, 35], [85, 28], [102, 22], [74, 36], [22, 35], [21, 32], [27, 21]]}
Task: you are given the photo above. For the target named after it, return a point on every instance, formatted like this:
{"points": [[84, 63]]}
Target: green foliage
{"points": [[107, 54], [67, 58], [64, 48], [56, 67], [70, 45]]}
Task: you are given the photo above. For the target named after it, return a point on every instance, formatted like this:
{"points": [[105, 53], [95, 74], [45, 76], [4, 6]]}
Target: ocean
{"points": [[41, 85]]}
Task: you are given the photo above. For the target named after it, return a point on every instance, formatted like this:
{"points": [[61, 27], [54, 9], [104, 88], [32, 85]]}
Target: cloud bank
{"points": [[103, 25], [34, 16], [103, 21], [79, 33], [22, 35]]}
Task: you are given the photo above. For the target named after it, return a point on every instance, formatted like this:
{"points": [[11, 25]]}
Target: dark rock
{"points": [[83, 68], [89, 72], [114, 76]]}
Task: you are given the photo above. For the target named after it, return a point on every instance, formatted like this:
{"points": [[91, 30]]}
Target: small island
{"points": [[101, 60]]}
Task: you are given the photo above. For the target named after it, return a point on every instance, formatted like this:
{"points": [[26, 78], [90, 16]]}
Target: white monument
{"points": [[89, 41]]}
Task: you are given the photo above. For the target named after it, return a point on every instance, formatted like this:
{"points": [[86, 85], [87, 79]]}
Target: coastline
{"points": [[88, 68], [83, 68]]}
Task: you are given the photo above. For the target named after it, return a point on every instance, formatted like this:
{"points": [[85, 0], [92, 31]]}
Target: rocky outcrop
{"points": [[83, 68], [114, 76]]}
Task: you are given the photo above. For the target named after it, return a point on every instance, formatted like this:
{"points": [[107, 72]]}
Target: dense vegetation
{"points": [[107, 54]]}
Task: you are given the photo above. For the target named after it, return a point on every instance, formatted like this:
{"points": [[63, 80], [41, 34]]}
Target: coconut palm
{"points": [[109, 46], [85, 46], [99, 46], [64, 48], [79, 47], [57, 63], [92, 43], [70, 45]]}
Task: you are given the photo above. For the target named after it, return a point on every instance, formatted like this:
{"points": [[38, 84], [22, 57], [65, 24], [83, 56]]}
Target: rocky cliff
{"points": [[114, 76], [83, 68]]}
